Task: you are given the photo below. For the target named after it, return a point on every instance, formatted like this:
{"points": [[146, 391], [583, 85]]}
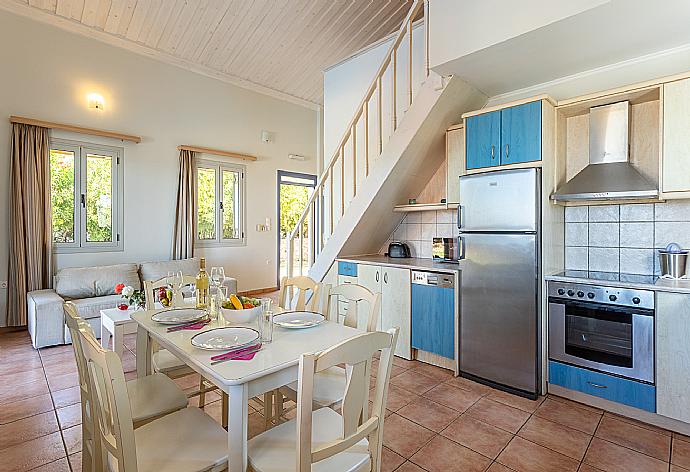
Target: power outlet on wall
{"points": [[3, 284]]}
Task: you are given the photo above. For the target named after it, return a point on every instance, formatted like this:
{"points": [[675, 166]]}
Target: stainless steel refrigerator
{"points": [[498, 220]]}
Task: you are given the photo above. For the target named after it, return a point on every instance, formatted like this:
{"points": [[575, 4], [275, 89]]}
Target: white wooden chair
{"points": [[330, 383], [324, 440], [150, 397], [164, 361], [308, 294], [184, 441]]}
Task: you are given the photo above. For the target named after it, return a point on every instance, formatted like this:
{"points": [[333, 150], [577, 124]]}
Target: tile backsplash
{"points": [[623, 238], [419, 228]]}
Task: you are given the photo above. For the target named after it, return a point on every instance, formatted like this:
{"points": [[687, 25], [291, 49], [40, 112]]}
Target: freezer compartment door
{"points": [[504, 200], [499, 309]]}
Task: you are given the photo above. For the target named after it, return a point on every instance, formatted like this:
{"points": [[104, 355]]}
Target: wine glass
{"points": [[178, 283], [217, 276]]}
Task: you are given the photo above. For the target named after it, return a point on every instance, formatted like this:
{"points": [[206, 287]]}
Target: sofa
{"points": [[92, 289]]}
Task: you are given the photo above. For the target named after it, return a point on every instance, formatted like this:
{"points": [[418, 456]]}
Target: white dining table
{"points": [[274, 366]]}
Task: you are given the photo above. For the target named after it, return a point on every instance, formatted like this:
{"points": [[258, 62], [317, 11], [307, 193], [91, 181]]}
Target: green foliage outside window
{"points": [[206, 203], [99, 183], [62, 195], [293, 201]]}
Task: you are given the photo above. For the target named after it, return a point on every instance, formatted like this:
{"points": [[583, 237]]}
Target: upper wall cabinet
{"points": [[675, 164], [483, 140], [521, 133], [502, 137]]}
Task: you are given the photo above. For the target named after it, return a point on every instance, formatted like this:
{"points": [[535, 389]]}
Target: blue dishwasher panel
{"points": [[433, 320], [617, 389]]}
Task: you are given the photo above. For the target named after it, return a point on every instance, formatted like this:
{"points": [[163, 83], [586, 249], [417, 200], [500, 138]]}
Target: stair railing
{"points": [[314, 227]]}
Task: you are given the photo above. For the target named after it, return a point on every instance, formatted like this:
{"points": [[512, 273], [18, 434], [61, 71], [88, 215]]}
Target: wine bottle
{"points": [[202, 284]]}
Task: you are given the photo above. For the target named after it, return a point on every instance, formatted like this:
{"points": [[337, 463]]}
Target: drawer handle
{"points": [[596, 385], [493, 151]]}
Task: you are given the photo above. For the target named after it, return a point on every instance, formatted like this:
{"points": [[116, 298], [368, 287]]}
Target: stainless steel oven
{"points": [[604, 328]]}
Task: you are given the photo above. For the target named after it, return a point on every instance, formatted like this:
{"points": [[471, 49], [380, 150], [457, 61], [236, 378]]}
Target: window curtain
{"points": [[185, 212], [30, 265]]}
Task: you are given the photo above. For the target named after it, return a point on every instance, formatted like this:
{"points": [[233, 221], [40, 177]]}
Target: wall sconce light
{"points": [[95, 101]]}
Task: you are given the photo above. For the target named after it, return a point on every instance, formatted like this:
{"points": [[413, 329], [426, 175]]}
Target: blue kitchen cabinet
{"points": [[521, 133], [347, 268], [508, 136], [628, 392], [433, 320], [483, 140]]}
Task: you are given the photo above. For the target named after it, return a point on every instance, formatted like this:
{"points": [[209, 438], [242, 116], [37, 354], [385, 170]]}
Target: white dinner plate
{"points": [[220, 339], [178, 315], [298, 319]]}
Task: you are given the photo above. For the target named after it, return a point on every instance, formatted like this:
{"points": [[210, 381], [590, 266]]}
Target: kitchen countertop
{"points": [[661, 285], [413, 263]]}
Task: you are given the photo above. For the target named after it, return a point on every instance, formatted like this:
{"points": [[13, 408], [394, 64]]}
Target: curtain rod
{"points": [[217, 152], [75, 129]]}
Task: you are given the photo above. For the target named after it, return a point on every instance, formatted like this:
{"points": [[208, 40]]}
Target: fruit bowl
{"points": [[239, 309], [245, 316]]}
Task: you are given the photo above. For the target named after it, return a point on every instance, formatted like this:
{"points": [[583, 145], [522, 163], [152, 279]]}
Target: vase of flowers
{"points": [[135, 298]]}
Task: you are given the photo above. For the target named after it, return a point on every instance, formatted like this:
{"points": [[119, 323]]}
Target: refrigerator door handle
{"points": [[459, 216], [461, 242]]}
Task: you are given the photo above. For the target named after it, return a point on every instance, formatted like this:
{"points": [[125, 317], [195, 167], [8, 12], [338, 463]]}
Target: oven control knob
{"points": [[590, 295], [571, 293], [561, 291], [580, 294], [636, 300], [613, 298]]}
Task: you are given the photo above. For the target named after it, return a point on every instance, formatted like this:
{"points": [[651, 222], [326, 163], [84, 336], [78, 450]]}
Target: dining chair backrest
{"points": [[308, 296], [151, 285], [75, 324], [354, 295], [357, 354], [111, 406]]}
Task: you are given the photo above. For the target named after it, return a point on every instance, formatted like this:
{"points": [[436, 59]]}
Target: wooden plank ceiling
{"points": [[275, 46]]}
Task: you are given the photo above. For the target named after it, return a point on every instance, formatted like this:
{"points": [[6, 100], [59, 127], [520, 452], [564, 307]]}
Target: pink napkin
{"points": [[190, 326], [246, 357], [243, 354]]}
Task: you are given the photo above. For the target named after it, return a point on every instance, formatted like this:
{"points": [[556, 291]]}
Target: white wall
{"points": [[46, 74], [461, 28], [345, 83]]}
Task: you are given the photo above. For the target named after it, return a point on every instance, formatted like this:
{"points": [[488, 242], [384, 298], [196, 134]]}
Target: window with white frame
{"points": [[220, 203], [86, 196]]}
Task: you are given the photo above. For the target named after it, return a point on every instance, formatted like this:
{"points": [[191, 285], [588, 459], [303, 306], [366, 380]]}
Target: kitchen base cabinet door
{"points": [[673, 355], [370, 277], [395, 307], [433, 320]]}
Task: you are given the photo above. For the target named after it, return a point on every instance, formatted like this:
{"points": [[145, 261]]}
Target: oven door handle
{"points": [[596, 385]]}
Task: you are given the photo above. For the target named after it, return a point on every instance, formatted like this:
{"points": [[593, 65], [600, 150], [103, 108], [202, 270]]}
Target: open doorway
{"points": [[294, 191]]}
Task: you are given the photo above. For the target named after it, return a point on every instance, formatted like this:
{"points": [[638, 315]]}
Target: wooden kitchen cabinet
{"points": [[510, 135], [521, 133], [370, 276], [396, 306], [675, 161], [455, 162], [673, 355], [483, 140]]}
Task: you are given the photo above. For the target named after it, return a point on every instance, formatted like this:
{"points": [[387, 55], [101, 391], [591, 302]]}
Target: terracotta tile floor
{"points": [[435, 422]]}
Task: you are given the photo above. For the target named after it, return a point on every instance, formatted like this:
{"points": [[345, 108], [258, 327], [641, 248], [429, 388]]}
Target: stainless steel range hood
{"points": [[609, 175]]}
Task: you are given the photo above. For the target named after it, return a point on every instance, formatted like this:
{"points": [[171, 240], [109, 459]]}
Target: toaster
{"points": [[398, 250]]}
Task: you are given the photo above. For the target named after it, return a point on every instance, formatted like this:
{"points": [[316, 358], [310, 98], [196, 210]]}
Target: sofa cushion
{"points": [[91, 307], [98, 281], [157, 270]]}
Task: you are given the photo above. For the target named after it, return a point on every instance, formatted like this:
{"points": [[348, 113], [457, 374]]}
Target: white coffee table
{"points": [[115, 323]]}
